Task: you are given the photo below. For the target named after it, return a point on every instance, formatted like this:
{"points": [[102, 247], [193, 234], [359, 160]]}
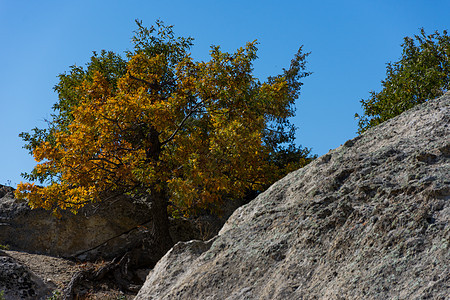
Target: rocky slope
{"points": [[19, 282], [96, 231], [368, 220], [99, 231]]}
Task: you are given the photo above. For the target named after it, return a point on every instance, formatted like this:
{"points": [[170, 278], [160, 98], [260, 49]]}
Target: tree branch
{"points": [[151, 84], [193, 110]]}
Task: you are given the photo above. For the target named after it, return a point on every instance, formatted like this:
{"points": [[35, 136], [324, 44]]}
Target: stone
{"points": [[18, 282], [368, 220], [99, 230], [102, 230]]}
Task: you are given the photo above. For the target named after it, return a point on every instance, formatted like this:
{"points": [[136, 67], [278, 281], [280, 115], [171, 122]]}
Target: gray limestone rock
{"points": [[101, 230], [18, 282], [368, 220], [97, 231]]}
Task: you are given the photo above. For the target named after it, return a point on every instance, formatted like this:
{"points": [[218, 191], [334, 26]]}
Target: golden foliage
{"points": [[194, 130]]}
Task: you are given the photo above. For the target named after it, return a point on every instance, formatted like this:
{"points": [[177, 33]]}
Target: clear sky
{"points": [[350, 43]]}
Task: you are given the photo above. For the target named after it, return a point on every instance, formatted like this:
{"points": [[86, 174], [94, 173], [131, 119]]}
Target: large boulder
{"points": [[102, 230], [368, 220]]}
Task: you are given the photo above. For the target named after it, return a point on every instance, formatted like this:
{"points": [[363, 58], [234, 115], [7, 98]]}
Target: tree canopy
{"points": [[422, 74], [156, 124]]}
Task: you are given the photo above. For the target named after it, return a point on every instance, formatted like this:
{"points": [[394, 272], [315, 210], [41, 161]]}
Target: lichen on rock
{"points": [[368, 220]]}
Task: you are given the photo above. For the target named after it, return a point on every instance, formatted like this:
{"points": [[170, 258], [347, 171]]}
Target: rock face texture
{"points": [[96, 231], [368, 220], [103, 230], [18, 282]]}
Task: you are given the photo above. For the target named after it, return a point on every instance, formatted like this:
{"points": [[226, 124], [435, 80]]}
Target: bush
{"points": [[422, 74]]}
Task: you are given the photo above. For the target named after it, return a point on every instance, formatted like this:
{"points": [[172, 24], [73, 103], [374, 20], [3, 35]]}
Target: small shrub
{"points": [[56, 295], [421, 74]]}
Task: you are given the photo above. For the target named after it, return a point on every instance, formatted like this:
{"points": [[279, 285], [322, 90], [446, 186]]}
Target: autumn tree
{"points": [[422, 74], [162, 127]]}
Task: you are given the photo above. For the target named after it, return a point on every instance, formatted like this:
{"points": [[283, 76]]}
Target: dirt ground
{"points": [[59, 271]]}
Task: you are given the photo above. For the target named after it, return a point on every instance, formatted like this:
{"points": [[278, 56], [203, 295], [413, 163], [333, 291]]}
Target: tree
{"points": [[422, 74], [177, 133]]}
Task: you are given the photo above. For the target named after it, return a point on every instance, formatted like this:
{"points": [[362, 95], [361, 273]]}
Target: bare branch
{"points": [[180, 126]]}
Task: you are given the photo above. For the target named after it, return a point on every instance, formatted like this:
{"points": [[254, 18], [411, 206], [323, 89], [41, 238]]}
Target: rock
{"points": [[368, 220], [18, 282], [97, 231]]}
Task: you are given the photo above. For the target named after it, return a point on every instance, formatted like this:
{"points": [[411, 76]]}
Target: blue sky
{"points": [[350, 41]]}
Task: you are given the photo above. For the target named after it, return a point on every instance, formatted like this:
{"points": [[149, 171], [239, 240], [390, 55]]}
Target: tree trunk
{"points": [[162, 241], [121, 271]]}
